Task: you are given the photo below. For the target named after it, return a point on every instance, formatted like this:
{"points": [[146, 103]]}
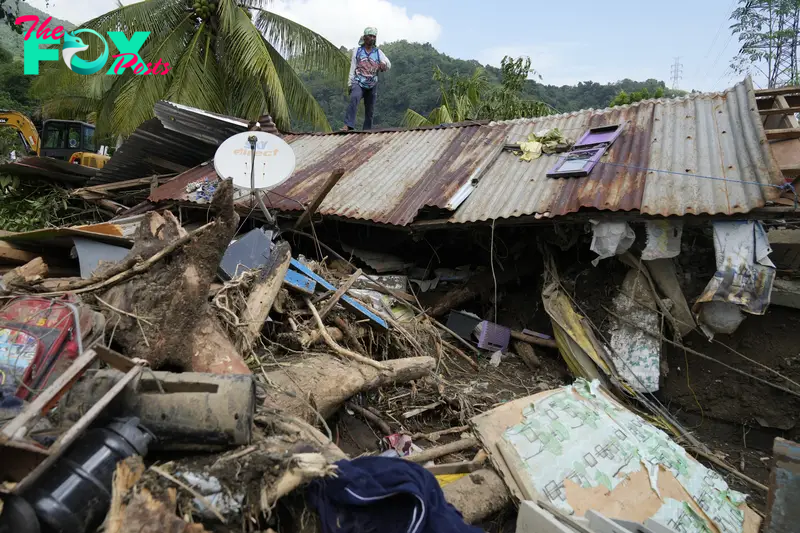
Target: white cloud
{"points": [[566, 63], [343, 21], [76, 11]]}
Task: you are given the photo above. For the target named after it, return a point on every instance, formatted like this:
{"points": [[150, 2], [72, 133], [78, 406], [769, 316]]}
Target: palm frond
{"points": [[440, 115], [156, 17], [412, 119], [226, 10], [139, 93], [301, 102], [248, 56], [197, 81], [304, 47], [247, 100]]}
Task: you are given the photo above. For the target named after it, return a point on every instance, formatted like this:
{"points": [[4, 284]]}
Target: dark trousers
{"points": [[357, 92]]}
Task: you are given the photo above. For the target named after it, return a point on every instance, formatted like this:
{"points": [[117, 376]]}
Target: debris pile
{"points": [[203, 363]]}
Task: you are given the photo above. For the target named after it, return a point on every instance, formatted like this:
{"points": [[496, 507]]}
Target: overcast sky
{"points": [[568, 42]]}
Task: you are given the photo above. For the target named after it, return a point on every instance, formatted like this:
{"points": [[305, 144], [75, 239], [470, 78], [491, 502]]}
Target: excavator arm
{"points": [[25, 128]]}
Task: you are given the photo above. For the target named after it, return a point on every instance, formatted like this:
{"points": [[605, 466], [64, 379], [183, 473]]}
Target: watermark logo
{"points": [[74, 44], [128, 56]]}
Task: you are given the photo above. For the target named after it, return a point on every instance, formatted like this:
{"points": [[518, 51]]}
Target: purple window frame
{"points": [[597, 140], [587, 168], [602, 135]]}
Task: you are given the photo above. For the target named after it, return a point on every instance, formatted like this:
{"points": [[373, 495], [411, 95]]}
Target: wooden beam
{"points": [[38, 406], [791, 170], [338, 294], [161, 178], [9, 252], [333, 179], [794, 89], [779, 111], [76, 430], [783, 134]]}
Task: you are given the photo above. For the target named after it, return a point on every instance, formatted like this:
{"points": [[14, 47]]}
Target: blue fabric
{"points": [[386, 495], [357, 92]]}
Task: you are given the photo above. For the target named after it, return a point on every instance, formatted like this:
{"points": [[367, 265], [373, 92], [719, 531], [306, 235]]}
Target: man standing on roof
{"points": [[365, 64]]}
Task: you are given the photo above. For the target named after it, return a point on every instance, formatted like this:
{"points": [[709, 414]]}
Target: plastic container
{"points": [[75, 494]]}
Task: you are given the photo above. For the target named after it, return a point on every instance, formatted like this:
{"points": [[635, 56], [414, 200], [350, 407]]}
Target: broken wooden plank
{"points": [[420, 410], [791, 170], [38, 406], [779, 111], [783, 133], [265, 288], [777, 91], [463, 467], [445, 449], [9, 252], [338, 294], [29, 272], [120, 185], [333, 179], [545, 343], [353, 304], [300, 283]]}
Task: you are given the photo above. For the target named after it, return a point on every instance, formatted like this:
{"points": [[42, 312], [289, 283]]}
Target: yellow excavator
{"points": [[67, 140]]}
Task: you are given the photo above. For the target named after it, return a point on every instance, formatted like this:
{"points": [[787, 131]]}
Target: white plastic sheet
{"points": [[610, 239]]}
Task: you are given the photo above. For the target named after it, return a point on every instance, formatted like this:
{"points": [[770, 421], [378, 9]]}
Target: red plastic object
{"points": [[53, 324]]}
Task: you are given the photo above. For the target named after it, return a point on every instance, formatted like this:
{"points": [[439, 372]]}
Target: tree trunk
{"points": [[327, 382], [478, 495], [167, 319]]}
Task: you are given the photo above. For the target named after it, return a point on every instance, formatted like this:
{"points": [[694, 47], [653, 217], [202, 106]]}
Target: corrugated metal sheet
{"points": [[204, 126], [389, 176], [717, 135], [179, 135], [144, 152], [175, 189]]}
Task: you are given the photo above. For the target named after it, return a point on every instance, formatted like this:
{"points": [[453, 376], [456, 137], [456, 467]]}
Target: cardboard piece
{"points": [[579, 449]]}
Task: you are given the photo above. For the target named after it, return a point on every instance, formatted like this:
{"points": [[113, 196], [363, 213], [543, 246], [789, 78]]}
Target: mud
{"points": [[170, 298]]}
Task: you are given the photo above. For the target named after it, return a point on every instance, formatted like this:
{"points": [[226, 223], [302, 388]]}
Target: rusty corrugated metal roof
{"points": [[391, 175], [175, 189], [716, 135]]}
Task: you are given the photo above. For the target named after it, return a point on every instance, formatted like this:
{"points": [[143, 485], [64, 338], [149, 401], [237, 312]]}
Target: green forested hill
{"points": [[13, 42], [409, 85]]}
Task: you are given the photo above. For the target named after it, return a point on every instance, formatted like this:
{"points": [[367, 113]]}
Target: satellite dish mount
{"points": [[255, 160]]}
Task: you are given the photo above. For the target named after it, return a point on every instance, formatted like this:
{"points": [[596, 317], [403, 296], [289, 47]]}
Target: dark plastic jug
{"points": [[75, 494]]}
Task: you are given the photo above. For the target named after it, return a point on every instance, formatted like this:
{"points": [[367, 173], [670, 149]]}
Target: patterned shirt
{"points": [[364, 66]]}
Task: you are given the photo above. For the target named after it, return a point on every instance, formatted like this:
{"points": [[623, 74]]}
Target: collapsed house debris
{"points": [[419, 327]]}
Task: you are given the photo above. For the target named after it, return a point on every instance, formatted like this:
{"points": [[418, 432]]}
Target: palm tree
{"points": [[474, 98], [227, 56], [460, 97]]}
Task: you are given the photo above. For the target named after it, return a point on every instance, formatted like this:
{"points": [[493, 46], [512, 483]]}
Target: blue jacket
{"points": [[386, 495]]}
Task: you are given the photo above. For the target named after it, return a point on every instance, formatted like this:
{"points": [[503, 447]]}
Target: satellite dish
{"points": [[274, 160]]}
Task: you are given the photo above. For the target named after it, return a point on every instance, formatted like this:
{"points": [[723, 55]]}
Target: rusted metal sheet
{"points": [[389, 176], [702, 154], [145, 151], [717, 135], [783, 511], [175, 189]]}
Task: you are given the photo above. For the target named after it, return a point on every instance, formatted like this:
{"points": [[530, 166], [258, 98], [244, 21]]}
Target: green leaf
{"points": [[412, 119], [306, 48], [301, 102]]}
